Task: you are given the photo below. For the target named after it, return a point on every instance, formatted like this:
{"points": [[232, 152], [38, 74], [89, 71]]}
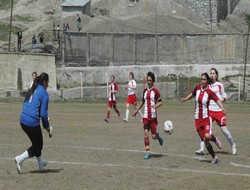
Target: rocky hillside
{"points": [[146, 16]]}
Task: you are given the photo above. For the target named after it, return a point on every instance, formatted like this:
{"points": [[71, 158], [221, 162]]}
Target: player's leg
{"points": [[200, 130], [116, 109], [146, 128], [221, 121], [127, 112], [211, 151], [229, 137], [108, 112], [155, 132]]}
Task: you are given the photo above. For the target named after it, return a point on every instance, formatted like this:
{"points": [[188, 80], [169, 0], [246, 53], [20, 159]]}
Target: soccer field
{"points": [[87, 153]]}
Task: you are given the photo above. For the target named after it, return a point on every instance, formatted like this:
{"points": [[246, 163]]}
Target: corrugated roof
{"points": [[73, 3]]}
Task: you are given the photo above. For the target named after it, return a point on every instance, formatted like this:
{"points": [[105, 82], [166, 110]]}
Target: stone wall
{"points": [[16, 69]]}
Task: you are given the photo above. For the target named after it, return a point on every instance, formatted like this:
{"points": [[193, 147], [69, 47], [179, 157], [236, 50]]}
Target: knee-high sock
{"points": [[108, 114], [24, 156], [210, 150], [227, 135], [127, 114], [140, 113], [202, 145], [146, 142]]}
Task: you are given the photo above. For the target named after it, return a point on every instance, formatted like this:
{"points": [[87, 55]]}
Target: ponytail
{"points": [[38, 80]]}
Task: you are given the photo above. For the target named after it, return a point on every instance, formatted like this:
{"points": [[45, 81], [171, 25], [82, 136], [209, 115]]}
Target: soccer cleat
{"points": [[215, 160], [106, 120], [147, 156], [199, 152], [160, 139], [125, 120], [18, 164], [234, 150], [218, 143], [42, 165]]}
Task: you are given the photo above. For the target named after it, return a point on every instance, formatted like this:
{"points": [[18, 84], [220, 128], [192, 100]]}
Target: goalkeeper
{"points": [[35, 107]]}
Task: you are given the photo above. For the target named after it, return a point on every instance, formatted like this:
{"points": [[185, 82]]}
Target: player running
{"points": [[151, 100], [131, 98], [35, 106], [203, 94], [216, 113]]}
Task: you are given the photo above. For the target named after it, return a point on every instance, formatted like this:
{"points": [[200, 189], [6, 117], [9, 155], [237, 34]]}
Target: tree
{"points": [[247, 19]]}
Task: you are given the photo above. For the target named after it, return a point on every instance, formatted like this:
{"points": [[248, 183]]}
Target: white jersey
{"points": [[131, 83], [218, 89]]}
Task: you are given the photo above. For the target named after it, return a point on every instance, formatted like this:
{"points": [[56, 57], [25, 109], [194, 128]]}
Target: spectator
{"points": [[34, 41], [78, 23], [19, 40], [67, 29], [58, 32], [54, 30], [41, 37], [64, 28]]}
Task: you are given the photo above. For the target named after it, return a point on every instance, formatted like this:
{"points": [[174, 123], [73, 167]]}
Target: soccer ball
{"points": [[168, 127]]}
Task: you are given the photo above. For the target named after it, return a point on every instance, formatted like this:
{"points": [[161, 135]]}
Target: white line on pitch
{"points": [[128, 150], [141, 167]]}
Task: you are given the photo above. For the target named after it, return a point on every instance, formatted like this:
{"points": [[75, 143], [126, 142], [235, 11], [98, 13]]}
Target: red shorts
{"points": [[131, 99], [203, 123], [112, 104], [219, 117], [151, 125]]}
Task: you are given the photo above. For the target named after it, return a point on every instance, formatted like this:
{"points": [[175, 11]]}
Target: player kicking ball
{"points": [[152, 101]]}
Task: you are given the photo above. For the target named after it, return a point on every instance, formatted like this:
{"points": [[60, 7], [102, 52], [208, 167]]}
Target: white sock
{"points": [[40, 159], [140, 113], [227, 135], [127, 114], [202, 146], [24, 156]]}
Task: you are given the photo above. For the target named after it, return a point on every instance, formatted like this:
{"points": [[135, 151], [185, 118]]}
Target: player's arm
{"points": [[138, 108], [190, 96], [159, 103]]}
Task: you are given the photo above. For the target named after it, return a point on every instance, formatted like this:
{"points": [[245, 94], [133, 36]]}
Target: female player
{"points": [[131, 98], [35, 106], [203, 94], [151, 100], [216, 113], [34, 75], [113, 89]]}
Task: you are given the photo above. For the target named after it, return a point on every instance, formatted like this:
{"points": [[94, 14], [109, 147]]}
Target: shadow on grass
{"points": [[47, 171]]}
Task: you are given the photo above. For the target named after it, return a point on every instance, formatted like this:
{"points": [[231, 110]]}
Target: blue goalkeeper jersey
{"points": [[35, 108]]}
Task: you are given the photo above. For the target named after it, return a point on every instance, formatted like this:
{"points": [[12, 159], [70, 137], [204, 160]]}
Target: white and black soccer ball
{"points": [[168, 127]]}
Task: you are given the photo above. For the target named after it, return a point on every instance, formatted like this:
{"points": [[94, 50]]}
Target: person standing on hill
{"points": [[131, 98], [152, 101], [78, 22], [19, 40], [113, 89]]}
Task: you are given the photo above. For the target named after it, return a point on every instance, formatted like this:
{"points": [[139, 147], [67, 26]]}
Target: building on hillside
{"points": [[72, 7]]}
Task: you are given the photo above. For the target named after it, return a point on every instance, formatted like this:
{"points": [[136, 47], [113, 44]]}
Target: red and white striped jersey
{"points": [[219, 90], [150, 98], [112, 87], [202, 99]]}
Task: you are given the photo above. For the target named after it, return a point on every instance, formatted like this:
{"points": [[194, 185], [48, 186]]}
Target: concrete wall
{"points": [[10, 63], [107, 49]]}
